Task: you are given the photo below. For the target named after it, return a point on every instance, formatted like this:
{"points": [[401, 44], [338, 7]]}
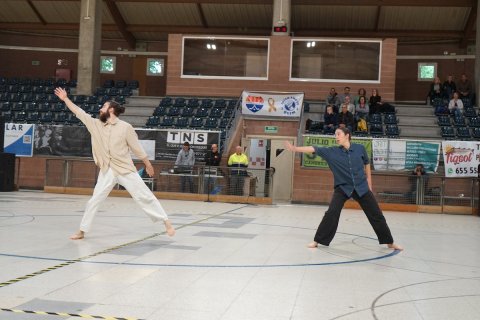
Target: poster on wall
{"points": [[59, 140], [309, 160], [257, 158], [288, 105], [19, 139], [461, 158], [398, 154]]}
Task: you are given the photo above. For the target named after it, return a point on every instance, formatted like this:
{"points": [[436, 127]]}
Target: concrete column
{"points": [[477, 58], [89, 45], [281, 16]]}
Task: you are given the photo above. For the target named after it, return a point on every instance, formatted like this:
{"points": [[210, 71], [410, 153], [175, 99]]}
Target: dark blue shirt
{"points": [[347, 167]]}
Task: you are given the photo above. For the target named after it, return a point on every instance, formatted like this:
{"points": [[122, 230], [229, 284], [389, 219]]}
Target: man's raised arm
{"points": [[62, 95]]}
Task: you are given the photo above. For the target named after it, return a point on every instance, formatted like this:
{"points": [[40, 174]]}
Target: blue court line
{"points": [[393, 253]]}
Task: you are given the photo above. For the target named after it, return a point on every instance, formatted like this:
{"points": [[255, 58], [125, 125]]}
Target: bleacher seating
{"points": [[459, 121], [476, 133], [375, 118], [392, 131], [447, 132], [463, 133], [390, 118], [443, 121]]}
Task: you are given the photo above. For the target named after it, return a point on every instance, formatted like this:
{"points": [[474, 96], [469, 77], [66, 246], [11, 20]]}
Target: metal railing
{"points": [[79, 173]]}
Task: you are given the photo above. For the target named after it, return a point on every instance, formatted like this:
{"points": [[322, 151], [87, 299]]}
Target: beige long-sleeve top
{"points": [[112, 142]]}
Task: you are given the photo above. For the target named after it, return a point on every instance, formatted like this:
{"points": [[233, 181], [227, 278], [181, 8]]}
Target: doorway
{"points": [[279, 160]]}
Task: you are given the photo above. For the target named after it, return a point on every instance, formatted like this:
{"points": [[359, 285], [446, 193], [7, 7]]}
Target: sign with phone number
{"points": [[461, 158]]}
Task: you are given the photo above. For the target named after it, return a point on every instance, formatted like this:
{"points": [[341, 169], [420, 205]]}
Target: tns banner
{"points": [[287, 105], [19, 139]]}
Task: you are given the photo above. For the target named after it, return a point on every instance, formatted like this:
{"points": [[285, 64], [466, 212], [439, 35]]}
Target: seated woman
{"points": [[361, 93], [455, 106], [330, 119], [436, 91], [375, 101], [362, 109]]}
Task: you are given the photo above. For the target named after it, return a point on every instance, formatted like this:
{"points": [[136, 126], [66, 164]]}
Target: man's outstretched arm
{"points": [[62, 95]]}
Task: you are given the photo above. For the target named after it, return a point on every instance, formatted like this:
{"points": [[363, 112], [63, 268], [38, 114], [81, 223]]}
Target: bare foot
{"points": [[313, 244], [77, 236], [170, 229], [395, 246]]}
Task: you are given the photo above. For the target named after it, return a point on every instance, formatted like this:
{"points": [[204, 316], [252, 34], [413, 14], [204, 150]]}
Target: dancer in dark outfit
{"points": [[352, 179]]}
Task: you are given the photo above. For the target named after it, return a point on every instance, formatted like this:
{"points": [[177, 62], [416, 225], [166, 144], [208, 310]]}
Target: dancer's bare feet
{"points": [[313, 244], [170, 229], [77, 236], [395, 246]]}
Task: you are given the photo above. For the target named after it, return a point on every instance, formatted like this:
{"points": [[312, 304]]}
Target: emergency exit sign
{"points": [[271, 129]]}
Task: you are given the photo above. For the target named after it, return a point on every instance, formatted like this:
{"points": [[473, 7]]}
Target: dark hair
{"points": [[186, 144], [346, 131], [117, 108]]}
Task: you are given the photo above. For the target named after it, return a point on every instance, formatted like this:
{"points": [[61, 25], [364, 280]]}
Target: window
{"points": [[155, 67], [427, 71], [225, 58], [108, 64], [336, 60]]}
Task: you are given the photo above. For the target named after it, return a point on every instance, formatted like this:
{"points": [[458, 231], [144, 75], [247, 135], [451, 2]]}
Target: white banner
{"points": [[19, 139], [273, 105], [461, 158], [398, 154]]}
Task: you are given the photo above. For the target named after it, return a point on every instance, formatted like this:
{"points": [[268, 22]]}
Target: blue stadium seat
{"points": [[211, 123], [476, 133], [463, 133], [182, 122], [193, 103], [120, 84], [7, 115], [167, 121], [392, 131], [447, 132], [220, 103], [443, 121], [32, 117], [459, 121], [216, 113], [469, 112], [376, 129], [133, 84], [224, 123], [160, 111], [196, 122], [201, 112], [46, 117], [173, 111], [187, 112], [390, 118], [153, 121], [474, 122], [60, 117], [166, 102], [206, 103], [180, 102], [19, 116], [375, 118]]}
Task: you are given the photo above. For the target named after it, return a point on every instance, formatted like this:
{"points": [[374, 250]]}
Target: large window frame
{"points": [[315, 41], [209, 40]]}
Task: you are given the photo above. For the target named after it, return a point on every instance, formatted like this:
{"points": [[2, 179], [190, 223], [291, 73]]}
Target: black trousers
{"points": [[328, 227]]}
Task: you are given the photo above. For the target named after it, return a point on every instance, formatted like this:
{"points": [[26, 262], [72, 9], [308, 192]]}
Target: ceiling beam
{"points": [[393, 3], [122, 26], [37, 13], [202, 15], [471, 21], [439, 34]]}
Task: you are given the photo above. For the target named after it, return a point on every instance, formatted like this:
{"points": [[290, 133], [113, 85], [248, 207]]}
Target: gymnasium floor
{"points": [[230, 262]]}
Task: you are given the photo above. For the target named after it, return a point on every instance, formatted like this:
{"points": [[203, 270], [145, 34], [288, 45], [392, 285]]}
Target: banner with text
{"points": [[18, 139], [398, 154], [287, 105], [74, 141], [309, 160], [461, 158]]}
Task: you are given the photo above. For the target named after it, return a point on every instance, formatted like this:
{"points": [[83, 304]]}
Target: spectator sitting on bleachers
{"points": [[330, 119], [449, 87], [350, 106], [346, 93], [436, 90], [377, 105], [375, 101], [361, 109], [464, 87], [345, 118], [332, 99], [361, 93], [455, 106]]}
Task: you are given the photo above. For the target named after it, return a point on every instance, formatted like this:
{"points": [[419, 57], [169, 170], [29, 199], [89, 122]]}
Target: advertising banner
{"points": [[272, 104], [315, 161], [397, 154], [461, 158], [19, 139]]}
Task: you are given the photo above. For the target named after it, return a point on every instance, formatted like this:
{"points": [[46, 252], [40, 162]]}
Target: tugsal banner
{"points": [[286, 105], [461, 158]]}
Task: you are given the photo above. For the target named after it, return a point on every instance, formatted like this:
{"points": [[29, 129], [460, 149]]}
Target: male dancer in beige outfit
{"points": [[112, 140]]}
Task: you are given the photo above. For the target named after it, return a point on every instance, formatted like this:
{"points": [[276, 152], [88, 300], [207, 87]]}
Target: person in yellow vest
{"points": [[238, 162]]}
